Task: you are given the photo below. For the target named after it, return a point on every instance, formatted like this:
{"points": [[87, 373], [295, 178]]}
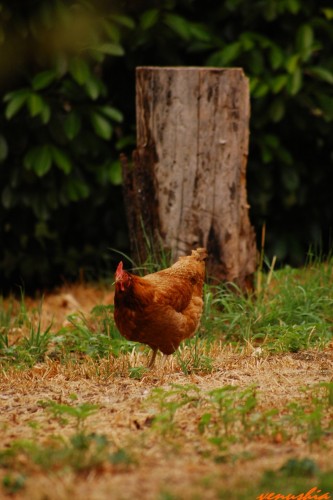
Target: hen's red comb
{"points": [[119, 270]]}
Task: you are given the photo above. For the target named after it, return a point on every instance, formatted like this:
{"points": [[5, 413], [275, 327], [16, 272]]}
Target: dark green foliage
{"points": [[68, 110], [60, 172]]}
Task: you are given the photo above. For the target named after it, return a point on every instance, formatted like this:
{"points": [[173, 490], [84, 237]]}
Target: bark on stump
{"points": [[187, 185]]}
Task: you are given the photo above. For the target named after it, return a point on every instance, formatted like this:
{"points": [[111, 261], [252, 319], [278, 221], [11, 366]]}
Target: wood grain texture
{"points": [[188, 183]]}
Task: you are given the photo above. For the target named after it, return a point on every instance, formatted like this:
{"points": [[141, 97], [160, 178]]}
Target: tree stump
{"points": [[187, 185]]}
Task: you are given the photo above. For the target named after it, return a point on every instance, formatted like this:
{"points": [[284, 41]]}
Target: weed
{"points": [[32, 347], [81, 451], [168, 402], [37, 343], [192, 356], [120, 457], [158, 256], [299, 467], [289, 316], [79, 412], [13, 483], [137, 372], [6, 315], [4, 341], [96, 337]]}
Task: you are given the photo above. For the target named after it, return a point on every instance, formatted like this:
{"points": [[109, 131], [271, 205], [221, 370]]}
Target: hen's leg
{"points": [[152, 361]]}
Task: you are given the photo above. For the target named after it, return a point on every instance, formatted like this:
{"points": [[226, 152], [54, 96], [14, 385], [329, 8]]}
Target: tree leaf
{"points": [[115, 173], [295, 82], [112, 30], [15, 104], [149, 18], [112, 49], [304, 41], [276, 57], [61, 159], [260, 90], [126, 21], [200, 32], [328, 13], [277, 110], [112, 113], [43, 79], [227, 55], [92, 88], [3, 148], [72, 125], [292, 63], [7, 197], [294, 6], [102, 126], [46, 113], [79, 70], [76, 189], [322, 73], [326, 105], [278, 83], [179, 25], [35, 104], [39, 160]]}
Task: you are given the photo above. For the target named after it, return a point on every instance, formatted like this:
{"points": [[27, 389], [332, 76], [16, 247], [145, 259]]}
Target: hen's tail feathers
{"points": [[200, 254]]}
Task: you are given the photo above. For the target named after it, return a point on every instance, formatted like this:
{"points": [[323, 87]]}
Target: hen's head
{"points": [[123, 279]]}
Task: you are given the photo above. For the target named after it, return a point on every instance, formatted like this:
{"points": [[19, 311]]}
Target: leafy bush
{"points": [[59, 147], [68, 110]]}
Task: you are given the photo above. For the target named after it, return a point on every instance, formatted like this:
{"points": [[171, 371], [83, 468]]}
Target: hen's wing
{"points": [[179, 283]]}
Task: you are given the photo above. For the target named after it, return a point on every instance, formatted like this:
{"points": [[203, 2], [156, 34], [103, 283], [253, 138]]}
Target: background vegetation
{"points": [[67, 80]]}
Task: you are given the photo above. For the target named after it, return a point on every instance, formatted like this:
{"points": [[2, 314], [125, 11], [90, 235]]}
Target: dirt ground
{"points": [[164, 466]]}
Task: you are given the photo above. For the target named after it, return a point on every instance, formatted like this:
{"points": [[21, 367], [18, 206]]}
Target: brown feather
{"points": [[163, 308]]}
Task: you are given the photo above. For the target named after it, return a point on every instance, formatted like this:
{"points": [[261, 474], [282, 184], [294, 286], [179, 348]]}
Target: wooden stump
{"points": [[187, 185]]}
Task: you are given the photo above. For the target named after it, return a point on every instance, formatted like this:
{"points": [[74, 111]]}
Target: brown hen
{"points": [[163, 308]]}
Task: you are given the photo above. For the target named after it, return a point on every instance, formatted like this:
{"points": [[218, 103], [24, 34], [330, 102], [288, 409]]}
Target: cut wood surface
{"points": [[187, 186]]}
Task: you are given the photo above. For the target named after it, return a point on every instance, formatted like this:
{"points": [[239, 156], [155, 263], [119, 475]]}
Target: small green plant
{"points": [[79, 413], [38, 341], [137, 372], [4, 341], [81, 451], [13, 483], [32, 345], [299, 467], [96, 336], [292, 314], [232, 416], [6, 315], [192, 356], [168, 402]]}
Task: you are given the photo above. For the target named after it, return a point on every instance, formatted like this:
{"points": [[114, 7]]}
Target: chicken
{"points": [[163, 308]]}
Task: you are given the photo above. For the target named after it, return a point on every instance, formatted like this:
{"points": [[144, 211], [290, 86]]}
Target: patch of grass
{"points": [[95, 336], [82, 451], [293, 312], [297, 477], [158, 256], [230, 415], [36, 344], [33, 343], [209, 421], [137, 372], [78, 412], [13, 483], [168, 402], [193, 355]]}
